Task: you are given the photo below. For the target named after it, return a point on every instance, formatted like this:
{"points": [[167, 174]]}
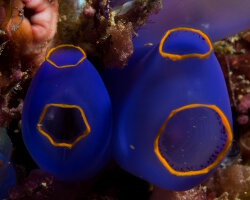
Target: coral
{"points": [[197, 193], [243, 107], [121, 44], [15, 78], [113, 185], [37, 186], [234, 180], [22, 51], [101, 31], [245, 145], [234, 56], [31, 28], [226, 46], [246, 36], [138, 12]]}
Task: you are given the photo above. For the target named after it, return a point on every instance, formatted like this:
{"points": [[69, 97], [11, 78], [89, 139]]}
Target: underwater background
{"points": [[87, 93]]}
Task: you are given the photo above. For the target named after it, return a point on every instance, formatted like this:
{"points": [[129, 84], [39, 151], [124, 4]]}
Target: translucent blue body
{"points": [[218, 19], [7, 175], [120, 81], [66, 120], [174, 126]]}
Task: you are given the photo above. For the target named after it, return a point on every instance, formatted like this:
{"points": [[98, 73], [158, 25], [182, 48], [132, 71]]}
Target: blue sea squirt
{"points": [[174, 127], [66, 120]]}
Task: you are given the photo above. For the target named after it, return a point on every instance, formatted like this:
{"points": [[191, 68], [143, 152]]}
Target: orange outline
{"points": [[175, 57], [219, 157], [63, 144], [65, 66]]}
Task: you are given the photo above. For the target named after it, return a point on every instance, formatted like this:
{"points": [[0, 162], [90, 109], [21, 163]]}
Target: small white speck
{"points": [[148, 44], [132, 147], [51, 116], [206, 26], [44, 184]]}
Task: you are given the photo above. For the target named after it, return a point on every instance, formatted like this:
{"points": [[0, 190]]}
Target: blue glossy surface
{"points": [[163, 86], [81, 86], [120, 81]]}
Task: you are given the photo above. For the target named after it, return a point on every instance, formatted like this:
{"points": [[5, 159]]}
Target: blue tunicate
{"points": [[66, 120], [7, 175], [174, 127]]}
